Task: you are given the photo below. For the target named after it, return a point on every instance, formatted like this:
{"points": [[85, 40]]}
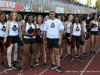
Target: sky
{"points": [[85, 1]]}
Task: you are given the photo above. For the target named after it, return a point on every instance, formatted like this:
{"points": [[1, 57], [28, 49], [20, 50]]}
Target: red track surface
{"points": [[90, 65]]}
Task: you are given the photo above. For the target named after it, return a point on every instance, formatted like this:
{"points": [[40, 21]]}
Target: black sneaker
{"points": [[21, 51], [80, 59], [91, 52], [20, 69], [59, 69], [69, 55], [11, 64], [14, 66], [31, 68], [71, 59], [76, 56], [94, 53], [84, 54], [52, 67], [65, 50], [2, 64], [44, 65], [35, 64], [61, 58], [19, 59], [39, 59], [7, 68]]}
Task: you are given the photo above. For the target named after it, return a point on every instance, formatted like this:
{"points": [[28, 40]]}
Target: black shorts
{"points": [[1, 38], [94, 32], [52, 43], [67, 34], [40, 40], [13, 39], [29, 41], [76, 38]]}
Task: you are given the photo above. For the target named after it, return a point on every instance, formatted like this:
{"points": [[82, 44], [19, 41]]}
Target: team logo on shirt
{"points": [[52, 25], [14, 28], [39, 30], [77, 28], [95, 26], [3, 29]]}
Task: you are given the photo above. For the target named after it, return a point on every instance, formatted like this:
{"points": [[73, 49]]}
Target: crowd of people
{"points": [[53, 33]]}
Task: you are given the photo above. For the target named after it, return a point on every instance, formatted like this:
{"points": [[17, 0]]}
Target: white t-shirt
{"points": [[53, 27]]}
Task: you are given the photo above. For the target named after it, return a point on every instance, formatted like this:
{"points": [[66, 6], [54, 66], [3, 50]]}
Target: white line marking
{"points": [[89, 62], [3, 72], [48, 67]]}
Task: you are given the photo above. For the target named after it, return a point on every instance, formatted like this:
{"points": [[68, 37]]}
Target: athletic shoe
{"points": [[61, 58], [14, 66], [19, 59], [44, 65], [52, 67], [35, 64], [94, 53], [65, 50], [84, 54], [76, 56], [2, 64], [21, 51], [39, 59], [91, 52], [69, 55], [71, 59], [80, 59], [59, 69], [7, 68], [31, 68], [20, 69]]}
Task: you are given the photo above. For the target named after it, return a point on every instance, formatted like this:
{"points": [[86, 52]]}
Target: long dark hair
{"points": [[94, 16], [26, 20], [74, 20], [84, 17]]}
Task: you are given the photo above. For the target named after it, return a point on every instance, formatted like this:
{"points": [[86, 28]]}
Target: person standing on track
{"points": [[67, 30], [40, 44], [76, 31], [84, 18], [94, 34], [29, 42], [53, 27], [2, 35], [13, 27], [62, 42]]}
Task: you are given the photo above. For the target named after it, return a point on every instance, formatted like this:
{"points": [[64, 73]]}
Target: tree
{"points": [[98, 6], [87, 3]]}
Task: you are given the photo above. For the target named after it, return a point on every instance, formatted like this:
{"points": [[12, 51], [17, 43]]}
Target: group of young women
{"points": [[50, 34]]}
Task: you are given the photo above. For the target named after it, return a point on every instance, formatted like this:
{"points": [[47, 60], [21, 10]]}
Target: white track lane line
{"points": [[89, 62], [48, 67]]}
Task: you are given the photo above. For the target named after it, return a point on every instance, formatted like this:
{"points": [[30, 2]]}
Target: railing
{"points": [[55, 4]]}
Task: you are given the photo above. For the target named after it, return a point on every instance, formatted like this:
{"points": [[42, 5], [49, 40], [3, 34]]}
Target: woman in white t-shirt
{"points": [[13, 30], [94, 34], [67, 31], [29, 45], [40, 44], [76, 31], [84, 18], [2, 35]]}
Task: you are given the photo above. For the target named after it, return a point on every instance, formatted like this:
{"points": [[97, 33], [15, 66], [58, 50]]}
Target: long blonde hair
{"points": [[11, 14], [45, 19]]}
